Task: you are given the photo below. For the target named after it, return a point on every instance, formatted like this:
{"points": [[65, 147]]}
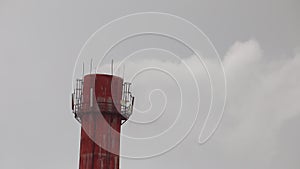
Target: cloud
{"points": [[263, 96]]}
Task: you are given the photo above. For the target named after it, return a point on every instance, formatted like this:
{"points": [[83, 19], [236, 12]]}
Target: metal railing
{"points": [[126, 102]]}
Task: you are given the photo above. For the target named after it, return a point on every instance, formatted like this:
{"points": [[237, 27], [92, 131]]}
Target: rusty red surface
{"points": [[100, 122]]}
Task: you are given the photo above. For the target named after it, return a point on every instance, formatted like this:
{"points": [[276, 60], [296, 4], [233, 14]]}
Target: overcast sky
{"points": [[258, 43]]}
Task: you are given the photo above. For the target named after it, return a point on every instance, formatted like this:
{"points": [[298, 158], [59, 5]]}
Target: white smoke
{"points": [[263, 96]]}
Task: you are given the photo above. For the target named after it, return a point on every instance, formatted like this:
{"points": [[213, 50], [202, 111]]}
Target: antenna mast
{"points": [[82, 69], [91, 66], [123, 71], [112, 67]]}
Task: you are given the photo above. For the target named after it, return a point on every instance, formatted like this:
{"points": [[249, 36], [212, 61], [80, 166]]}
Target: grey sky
{"points": [[39, 44]]}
